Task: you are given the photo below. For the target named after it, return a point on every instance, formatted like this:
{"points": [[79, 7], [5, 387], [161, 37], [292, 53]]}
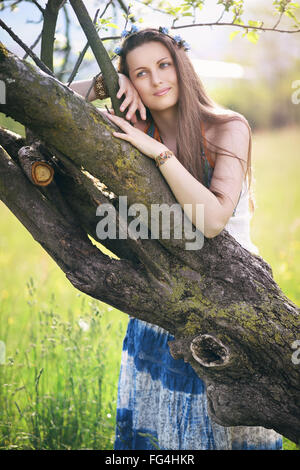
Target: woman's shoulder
{"points": [[227, 122], [230, 131]]}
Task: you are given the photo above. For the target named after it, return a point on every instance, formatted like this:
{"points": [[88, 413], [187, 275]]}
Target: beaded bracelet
{"points": [[100, 88], [163, 156]]}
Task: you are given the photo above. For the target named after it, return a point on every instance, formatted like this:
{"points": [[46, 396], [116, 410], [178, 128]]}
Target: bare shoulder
{"points": [[233, 136], [237, 127]]}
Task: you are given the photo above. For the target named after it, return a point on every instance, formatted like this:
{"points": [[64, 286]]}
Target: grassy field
{"points": [[58, 380]]}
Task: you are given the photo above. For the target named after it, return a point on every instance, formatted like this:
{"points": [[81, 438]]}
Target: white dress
{"points": [[239, 224]]}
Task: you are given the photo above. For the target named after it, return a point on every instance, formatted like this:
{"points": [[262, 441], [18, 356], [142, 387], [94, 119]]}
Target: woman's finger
{"points": [[122, 123], [132, 109], [133, 119], [122, 136], [122, 88], [121, 92], [126, 102], [142, 111]]}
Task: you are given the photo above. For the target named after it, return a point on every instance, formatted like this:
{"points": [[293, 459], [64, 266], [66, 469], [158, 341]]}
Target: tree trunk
{"points": [[231, 321]]}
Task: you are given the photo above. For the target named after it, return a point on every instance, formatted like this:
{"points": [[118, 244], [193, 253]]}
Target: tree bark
{"points": [[99, 52], [50, 14], [35, 166], [230, 320]]}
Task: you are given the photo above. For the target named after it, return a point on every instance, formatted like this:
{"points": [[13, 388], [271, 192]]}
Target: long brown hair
{"points": [[194, 106]]}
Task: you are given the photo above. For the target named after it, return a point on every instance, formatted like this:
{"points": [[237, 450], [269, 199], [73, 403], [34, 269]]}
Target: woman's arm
{"points": [[132, 100], [227, 177], [229, 173], [82, 86]]}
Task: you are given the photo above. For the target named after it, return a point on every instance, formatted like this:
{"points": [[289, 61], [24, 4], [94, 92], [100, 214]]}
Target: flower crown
{"points": [[162, 29]]}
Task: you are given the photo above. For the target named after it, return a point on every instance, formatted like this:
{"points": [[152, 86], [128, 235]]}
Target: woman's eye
{"points": [[162, 65]]}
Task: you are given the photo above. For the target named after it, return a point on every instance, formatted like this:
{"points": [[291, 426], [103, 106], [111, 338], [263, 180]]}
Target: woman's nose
{"points": [[156, 80]]}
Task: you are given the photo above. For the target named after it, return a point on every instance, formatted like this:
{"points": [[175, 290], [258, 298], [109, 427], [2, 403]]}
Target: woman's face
{"points": [[153, 74]]}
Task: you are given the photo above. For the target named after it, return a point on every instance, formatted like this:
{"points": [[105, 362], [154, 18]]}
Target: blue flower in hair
{"points": [[124, 33], [186, 46], [118, 50], [177, 39], [163, 29], [134, 29]]}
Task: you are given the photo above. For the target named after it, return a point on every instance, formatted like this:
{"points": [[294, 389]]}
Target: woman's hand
{"points": [[132, 99], [143, 142]]}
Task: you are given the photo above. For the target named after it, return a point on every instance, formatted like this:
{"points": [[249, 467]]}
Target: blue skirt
{"points": [[162, 402]]}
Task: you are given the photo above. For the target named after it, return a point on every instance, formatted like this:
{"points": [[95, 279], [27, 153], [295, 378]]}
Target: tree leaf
{"points": [[253, 36], [292, 15], [233, 34], [254, 23], [238, 21], [113, 25]]}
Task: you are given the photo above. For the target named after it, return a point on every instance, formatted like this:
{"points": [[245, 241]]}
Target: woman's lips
{"points": [[162, 92]]}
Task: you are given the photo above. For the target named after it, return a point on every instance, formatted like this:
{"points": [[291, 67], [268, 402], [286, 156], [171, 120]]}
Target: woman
{"points": [[162, 402]]}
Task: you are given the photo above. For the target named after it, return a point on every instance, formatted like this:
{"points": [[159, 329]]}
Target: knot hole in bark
{"points": [[209, 351]]}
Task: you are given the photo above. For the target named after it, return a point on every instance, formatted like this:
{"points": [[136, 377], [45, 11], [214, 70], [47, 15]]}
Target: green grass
{"points": [[58, 386], [275, 225], [72, 404], [276, 221]]}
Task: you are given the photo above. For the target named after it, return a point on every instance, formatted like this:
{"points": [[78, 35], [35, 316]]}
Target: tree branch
{"points": [[101, 56], [152, 7], [126, 10], [66, 49], [11, 142], [48, 33], [34, 165], [33, 45], [80, 192], [84, 265], [96, 150], [38, 6], [75, 184], [83, 52], [34, 57], [237, 25]]}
